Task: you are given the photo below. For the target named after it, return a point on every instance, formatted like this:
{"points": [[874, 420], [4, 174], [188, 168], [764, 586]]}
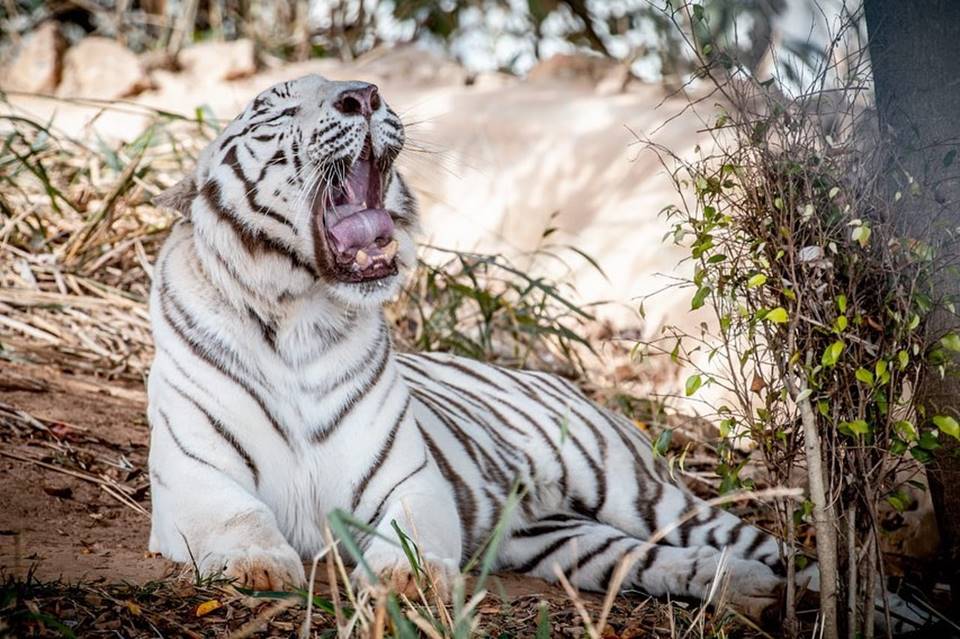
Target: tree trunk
{"points": [[915, 52]]}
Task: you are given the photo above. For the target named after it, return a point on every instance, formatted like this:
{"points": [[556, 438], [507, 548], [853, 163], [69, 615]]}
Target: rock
{"points": [[580, 67], [101, 68], [410, 66], [36, 66], [210, 62]]}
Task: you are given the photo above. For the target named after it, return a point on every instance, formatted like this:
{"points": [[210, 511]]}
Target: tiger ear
{"points": [[178, 197]]}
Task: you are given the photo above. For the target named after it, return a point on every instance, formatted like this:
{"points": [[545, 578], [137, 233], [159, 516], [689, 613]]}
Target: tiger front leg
{"points": [[203, 517], [431, 521]]}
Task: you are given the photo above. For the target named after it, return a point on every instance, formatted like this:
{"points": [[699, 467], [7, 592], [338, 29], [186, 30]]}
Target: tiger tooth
{"points": [[390, 250], [362, 259]]}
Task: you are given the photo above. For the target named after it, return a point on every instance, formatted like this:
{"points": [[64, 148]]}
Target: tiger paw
{"points": [[755, 590], [257, 568], [397, 575]]}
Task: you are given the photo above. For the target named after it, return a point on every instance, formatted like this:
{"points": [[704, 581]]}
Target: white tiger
{"points": [[275, 396]]}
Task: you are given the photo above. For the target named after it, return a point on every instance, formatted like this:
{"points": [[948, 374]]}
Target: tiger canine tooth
{"points": [[362, 259], [390, 249]]}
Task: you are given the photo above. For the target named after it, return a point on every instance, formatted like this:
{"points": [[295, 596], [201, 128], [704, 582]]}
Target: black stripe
{"points": [[359, 366], [183, 449], [155, 476], [733, 535], [583, 560], [201, 351], [473, 448], [534, 562], [542, 528], [653, 550], [379, 510], [466, 501], [689, 524], [251, 189], [322, 433], [486, 382], [646, 506], [690, 575], [267, 330], [254, 241], [223, 432], [755, 544], [380, 458]]}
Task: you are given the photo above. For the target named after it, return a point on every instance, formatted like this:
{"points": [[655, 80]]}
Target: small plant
{"points": [[485, 307], [819, 304]]}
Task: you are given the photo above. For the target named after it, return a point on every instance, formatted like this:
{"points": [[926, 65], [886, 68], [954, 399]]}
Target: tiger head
{"points": [[300, 191]]}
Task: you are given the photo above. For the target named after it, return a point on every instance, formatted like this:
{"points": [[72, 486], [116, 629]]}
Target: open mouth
{"points": [[359, 231]]}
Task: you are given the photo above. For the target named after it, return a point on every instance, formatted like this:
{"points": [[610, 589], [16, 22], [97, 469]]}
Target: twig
{"points": [[108, 486]]}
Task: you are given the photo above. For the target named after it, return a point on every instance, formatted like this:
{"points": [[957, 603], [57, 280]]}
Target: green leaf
{"points": [[899, 501], [726, 427], [929, 440], [947, 425], [951, 342], [700, 297], [864, 376], [823, 407], [662, 443], [861, 234], [693, 383], [840, 324], [906, 430], [543, 622], [842, 303], [857, 427], [903, 358], [777, 315], [881, 368], [897, 447], [757, 280], [832, 353]]}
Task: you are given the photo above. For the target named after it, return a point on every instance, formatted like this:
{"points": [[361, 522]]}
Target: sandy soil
{"points": [[62, 524]]}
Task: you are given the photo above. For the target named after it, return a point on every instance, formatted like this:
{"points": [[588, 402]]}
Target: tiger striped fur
{"points": [[276, 397]]}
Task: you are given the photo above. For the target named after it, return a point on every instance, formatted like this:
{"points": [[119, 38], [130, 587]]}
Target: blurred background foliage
{"points": [[484, 35]]}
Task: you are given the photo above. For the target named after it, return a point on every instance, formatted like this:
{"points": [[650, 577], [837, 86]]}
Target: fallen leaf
{"points": [[133, 608], [874, 324], [207, 607]]}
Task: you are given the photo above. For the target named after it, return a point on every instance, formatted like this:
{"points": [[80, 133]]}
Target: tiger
{"points": [[276, 396]]}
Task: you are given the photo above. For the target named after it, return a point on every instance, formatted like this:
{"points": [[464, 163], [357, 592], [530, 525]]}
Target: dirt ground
{"points": [[55, 518], [74, 525]]}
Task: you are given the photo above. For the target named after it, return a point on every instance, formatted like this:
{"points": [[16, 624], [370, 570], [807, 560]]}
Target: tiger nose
{"points": [[362, 100]]}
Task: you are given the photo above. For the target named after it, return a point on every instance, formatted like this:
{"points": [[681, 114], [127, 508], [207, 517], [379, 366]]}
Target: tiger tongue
{"points": [[360, 231]]}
